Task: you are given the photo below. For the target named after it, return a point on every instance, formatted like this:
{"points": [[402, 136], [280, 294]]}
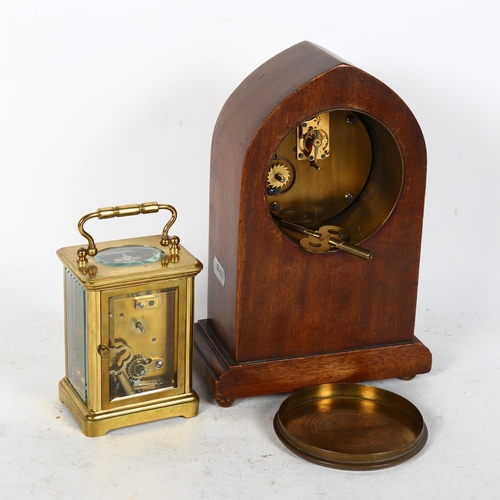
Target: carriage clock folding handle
{"points": [[125, 211]]}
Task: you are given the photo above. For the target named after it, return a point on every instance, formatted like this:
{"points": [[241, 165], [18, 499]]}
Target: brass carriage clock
{"points": [[316, 206], [128, 327]]}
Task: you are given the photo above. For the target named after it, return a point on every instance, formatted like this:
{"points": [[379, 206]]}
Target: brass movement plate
{"points": [[310, 194], [350, 426]]}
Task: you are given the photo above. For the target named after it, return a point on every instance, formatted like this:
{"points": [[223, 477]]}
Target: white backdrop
{"points": [[114, 102]]}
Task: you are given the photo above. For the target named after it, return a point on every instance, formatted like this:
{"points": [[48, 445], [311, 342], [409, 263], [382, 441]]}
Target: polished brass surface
{"points": [[133, 328], [103, 351], [177, 261], [98, 423], [353, 180], [349, 426], [321, 183], [125, 211]]}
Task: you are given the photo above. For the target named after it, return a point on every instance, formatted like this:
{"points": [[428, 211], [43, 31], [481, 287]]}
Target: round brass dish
{"points": [[350, 426]]}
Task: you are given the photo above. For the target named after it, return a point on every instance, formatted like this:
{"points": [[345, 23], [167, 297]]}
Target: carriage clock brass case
{"points": [[128, 327], [316, 204]]}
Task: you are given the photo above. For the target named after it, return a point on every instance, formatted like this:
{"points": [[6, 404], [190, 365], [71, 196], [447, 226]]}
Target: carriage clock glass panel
{"points": [[130, 255], [76, 334], [142, 341]]}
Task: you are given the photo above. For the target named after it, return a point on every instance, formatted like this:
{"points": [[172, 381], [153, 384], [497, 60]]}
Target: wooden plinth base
{"points": [[229, 380]]}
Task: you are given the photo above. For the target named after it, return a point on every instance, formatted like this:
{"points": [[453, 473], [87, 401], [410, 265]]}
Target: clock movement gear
{"points": [[313, 139], [138, 367], [278, 176]]}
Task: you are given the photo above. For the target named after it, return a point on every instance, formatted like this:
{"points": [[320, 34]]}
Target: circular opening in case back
{"points": [[339, 168]]}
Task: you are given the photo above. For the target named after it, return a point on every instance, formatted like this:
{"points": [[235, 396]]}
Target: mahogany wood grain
{"points": [[283, 308], [229, 380]]}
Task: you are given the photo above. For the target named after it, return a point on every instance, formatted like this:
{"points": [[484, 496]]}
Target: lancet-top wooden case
{"points": [[316, 204]]}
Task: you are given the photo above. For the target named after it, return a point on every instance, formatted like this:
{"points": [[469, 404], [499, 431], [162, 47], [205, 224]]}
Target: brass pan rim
{"points": [[305, 419]]}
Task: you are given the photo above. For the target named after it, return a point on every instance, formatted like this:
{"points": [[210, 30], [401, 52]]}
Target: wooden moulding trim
{"points": [[230, 380]]}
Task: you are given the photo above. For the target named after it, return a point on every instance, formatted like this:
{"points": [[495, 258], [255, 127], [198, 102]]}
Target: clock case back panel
{"points": [[285, 318]]}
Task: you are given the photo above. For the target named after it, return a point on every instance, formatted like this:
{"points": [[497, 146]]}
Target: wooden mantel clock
{"points": [[316, 204]]}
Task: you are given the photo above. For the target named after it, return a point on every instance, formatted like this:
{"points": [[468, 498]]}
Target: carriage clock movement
{"points": [[316, 206], [128, 327]]}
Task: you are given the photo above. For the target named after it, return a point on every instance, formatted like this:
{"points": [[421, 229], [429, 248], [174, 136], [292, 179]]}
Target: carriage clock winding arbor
{"points": [[128, 327], [316, 205]]}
